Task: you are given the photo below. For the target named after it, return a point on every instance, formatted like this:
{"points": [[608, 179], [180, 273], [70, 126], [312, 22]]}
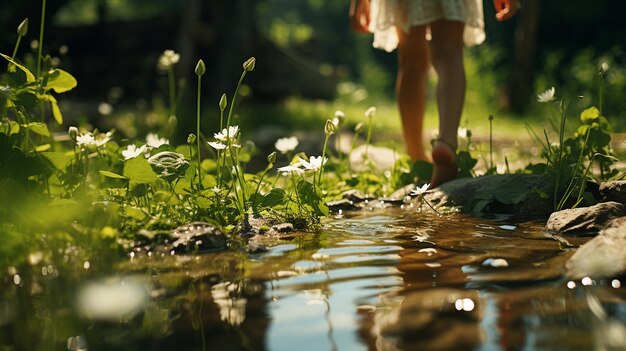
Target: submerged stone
{"points": [[601, 257], [585, 220], [197, 236]]}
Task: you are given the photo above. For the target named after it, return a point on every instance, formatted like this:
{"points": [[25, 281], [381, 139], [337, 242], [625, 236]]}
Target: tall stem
{"points": [[198, 133], [172, 90], [17, 45], [232, 104], [41, 27]]}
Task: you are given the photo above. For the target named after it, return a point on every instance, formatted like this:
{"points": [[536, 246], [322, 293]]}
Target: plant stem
{"points": [[319, 180], [17, 45], [232, 103], [198, 133], [560, 156], [172, 90], [41, 28], [491, 142], [369, 135]]}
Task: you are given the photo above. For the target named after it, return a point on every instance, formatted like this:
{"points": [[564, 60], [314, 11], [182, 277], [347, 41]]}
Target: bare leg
{"points": [[413, 64], [446, 52]]}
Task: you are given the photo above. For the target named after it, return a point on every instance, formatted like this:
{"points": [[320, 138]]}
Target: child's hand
{"points": [[505, 9], [360, 15]]}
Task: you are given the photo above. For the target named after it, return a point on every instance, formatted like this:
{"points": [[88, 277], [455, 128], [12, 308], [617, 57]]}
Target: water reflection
{"points": [[390, 279]]}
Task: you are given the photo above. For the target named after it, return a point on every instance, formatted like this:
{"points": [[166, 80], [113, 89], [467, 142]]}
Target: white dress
{"points": [[385, 15]]}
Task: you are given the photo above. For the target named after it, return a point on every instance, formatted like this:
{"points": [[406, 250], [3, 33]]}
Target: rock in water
{"points": [[197, 236], [601, 257], [584, 220]]}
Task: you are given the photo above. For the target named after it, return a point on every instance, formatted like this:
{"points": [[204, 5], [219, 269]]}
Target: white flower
{"points": [[546, 96], [168, 59], [85, 139], [217, 146], [285, 145], [133, 151], [420, 191], [291, 169], [462, 132], [89, 139], [339, 118], [227, 133], [154, 141], [370, 112], [313, 164]]}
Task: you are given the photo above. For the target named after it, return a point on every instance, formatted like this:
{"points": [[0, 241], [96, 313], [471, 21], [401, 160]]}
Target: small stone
{"points": [[343, 204], [196, 236], [283, 227], [496, 262]]}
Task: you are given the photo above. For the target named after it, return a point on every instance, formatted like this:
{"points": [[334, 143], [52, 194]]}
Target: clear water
{"points": [[386, 279]]}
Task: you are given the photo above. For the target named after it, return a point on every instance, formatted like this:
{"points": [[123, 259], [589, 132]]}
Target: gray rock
{"points": [[343, 204], [601, 257], [197, 236], [614, 191], [585, 220], [524, 196]]}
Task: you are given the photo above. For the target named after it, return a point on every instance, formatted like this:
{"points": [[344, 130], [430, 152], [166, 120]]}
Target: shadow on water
{"points": [[392, 279]]}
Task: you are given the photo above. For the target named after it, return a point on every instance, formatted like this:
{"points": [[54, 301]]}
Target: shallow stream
{"points": [[381, 279]]}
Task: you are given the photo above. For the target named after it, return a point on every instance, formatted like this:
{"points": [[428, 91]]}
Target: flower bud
{"points": [[223, 102], [359, 127], [22, 29], [370, 112], [73, 133], [469, 133], [329, 127], [249, 64], [271, 158], [200, 68], [491, 117], [191, 138]]}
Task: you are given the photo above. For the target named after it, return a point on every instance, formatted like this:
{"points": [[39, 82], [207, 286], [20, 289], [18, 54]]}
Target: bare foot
{"points": [[444, 160]]}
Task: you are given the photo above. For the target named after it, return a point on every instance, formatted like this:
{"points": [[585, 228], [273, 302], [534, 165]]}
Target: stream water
{"points": [[380, 279]]}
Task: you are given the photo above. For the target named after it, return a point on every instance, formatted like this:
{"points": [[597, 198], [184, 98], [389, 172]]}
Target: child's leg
{"points": [[446, 52], [413, 64]]}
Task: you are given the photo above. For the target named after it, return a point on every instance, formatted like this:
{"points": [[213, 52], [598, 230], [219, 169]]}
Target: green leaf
{"points": [[590, 114], [112, 175], [138, 171], [29, 76], [38, 128], [61, 81], [275, 197], [58, 160], [56, 111]]}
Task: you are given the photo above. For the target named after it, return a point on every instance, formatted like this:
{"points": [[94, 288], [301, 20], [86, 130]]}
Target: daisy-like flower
{"points": [[420, 191], [89, 139], [168, 59], [217, 146], [546, 96], [154, 141], [85, 139], [289, 170], [102, 139], [369, 113], [133, 151], [314, 163], [227, 133], [284, 145]]}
